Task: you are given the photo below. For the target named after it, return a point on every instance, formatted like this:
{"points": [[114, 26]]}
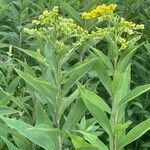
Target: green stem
{"points": [[57, 105], [114, 123]]}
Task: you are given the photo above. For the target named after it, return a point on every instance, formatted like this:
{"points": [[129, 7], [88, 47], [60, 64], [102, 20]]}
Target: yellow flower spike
{"points": [[126, 23], [45, 13], [139, 27], [35, 22], [99, 10]]}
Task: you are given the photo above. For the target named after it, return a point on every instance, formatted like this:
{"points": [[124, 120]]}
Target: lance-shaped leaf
{"points": [[43, 87], [4, 110], [135, 93], [94, 99], [34, 55], [67, 101], [124, 62], [71, 11], [135, 133], [100, 68], [75, 73], [10, 145], [36, 136], [94, 140], [103, 57], [75, 114], [80, 143], [97, 112]]}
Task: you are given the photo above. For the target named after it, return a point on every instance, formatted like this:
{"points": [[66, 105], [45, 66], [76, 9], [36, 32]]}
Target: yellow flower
{"points": [[139, 27], [126, 23], [99, 10]]}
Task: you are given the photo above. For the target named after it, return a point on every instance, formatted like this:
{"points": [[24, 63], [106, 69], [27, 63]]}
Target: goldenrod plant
{"points": [[62, 37], [66, 77], [114, 71]]}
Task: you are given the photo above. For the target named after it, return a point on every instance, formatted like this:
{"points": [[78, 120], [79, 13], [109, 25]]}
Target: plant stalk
{"points": [[57, 105], [114, 123]]}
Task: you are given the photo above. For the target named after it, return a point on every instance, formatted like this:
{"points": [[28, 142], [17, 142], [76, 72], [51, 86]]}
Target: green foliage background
{"points": [[28, 103]]}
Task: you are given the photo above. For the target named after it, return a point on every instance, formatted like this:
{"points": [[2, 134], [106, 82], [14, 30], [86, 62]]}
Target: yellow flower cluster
{"points": [[129, 27], [99, 10], [102, 32], [123, 42], [127, 23], [46, 16]]}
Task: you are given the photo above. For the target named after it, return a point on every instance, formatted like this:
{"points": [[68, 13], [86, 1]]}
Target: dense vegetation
{"points": [[74, 74]]}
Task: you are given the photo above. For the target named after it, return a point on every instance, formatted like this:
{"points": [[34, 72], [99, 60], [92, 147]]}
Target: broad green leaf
{"points": [[4, 101], [15, 100], [94, 99], [67, 101], [124, 62], [103, 75], [5, 110], [10, 145], [33, 54], [113, 48], [27, 68], [71, 11], [79, 142], [99, 115], [43, 122], [21, 141], [76, 113], [118, 84], [36, 136], [75, 73], [12, 86], [2, 45], [44, 127], [50, 55], [43, 87], [135, 133], [94, 140], [40, 115], [103, 57], [135, 93], [120, 127]]}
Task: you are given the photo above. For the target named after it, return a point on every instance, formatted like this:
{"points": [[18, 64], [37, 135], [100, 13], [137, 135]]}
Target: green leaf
{"points": [[135, 93], [40, 115], [75, 114], [67, 101], [15, 100], [103, 57], [47, 89], [21, 141], [94, 140], [44, 127], [4, 110], [71, 11], [135, 133], [33, 54], [9, 144], [12, 86], [113, 48], [124, 62], [2, 45], [75, 73], [94, 99], [120, 127], [79, 142], [99, 115], [36, 136], [103, 75]]}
